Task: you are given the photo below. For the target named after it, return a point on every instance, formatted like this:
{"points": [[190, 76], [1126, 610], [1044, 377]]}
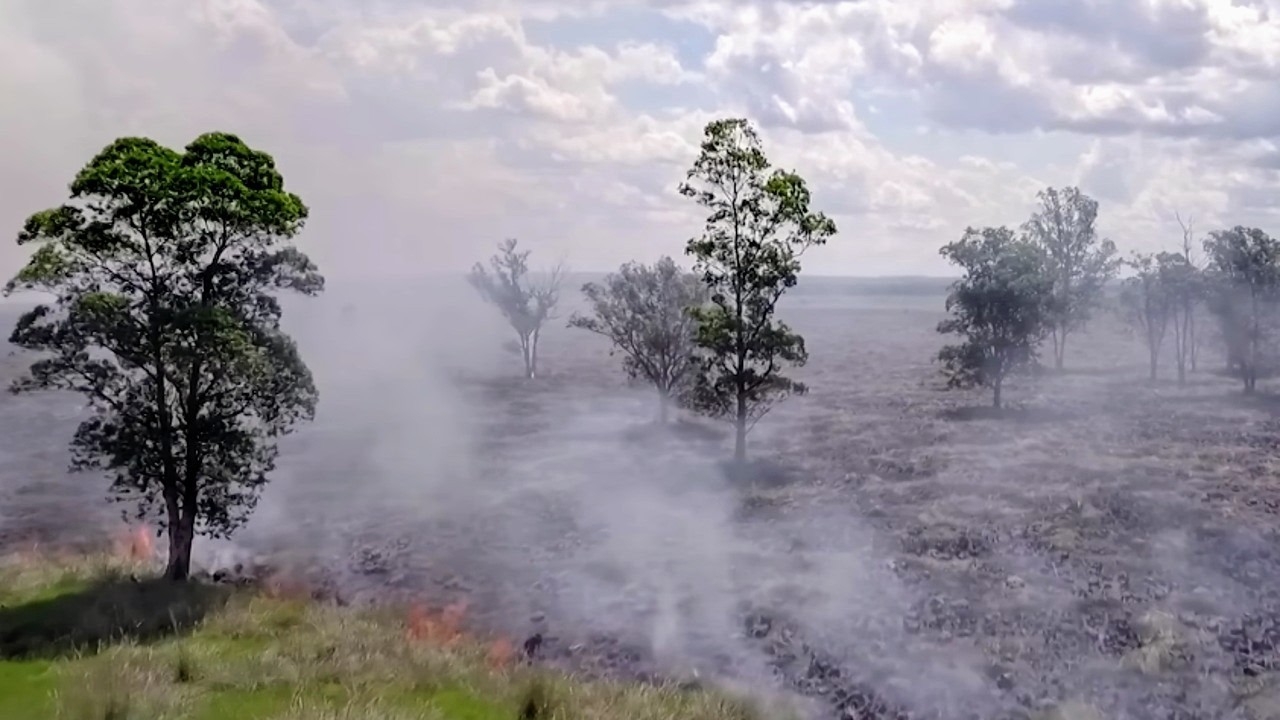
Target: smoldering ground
{"points": [[1110, 543]]}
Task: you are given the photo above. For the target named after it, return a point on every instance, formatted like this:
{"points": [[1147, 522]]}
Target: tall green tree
{"points": [[645, 311], [1081, 263], [164, 268], [1244, 287], [759, 223], [1001, 307]]}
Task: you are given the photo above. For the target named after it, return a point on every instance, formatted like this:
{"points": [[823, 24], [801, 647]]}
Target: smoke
{"points": [[392, 434], [986, 566], [557, 506]]}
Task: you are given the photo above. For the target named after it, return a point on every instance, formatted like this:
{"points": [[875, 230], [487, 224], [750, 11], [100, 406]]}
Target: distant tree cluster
{"points": [[1045, 283], [1239, 286]]}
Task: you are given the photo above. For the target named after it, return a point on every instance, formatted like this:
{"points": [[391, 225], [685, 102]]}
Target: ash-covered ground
{"points": [[1107, 547]]}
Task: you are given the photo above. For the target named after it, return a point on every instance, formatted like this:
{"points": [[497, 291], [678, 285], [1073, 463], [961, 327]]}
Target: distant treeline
{"points": [[897, 285]]}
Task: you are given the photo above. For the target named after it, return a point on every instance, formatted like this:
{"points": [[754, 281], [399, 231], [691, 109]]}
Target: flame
{"points": [[136, 544], [437, 628], [444, 628], [501, 654], [280, 586]]}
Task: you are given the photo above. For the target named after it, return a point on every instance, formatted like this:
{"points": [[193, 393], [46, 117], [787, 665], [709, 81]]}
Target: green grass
{"points": [[94, 640]]}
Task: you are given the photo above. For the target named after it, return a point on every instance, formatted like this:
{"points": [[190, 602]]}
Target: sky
{"points": [[422, 133]]}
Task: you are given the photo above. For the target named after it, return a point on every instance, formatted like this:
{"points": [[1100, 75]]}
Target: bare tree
{"points": [[1182, 286], [1080, 262], [527, 303], [1145, 305], [1185, 310], [644, 311]]}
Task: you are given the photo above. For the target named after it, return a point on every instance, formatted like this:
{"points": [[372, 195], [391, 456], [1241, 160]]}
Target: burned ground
{"points": [[900, 552]]}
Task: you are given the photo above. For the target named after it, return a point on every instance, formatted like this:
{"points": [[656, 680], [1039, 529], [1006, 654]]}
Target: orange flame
{"points": [[437, 628], [280, 586], [135, 544], [444, 628], [501, 654]]}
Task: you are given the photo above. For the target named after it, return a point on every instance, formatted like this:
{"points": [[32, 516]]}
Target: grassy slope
{"points": [[82, 640]]}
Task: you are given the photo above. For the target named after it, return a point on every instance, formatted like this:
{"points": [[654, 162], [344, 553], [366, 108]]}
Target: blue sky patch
{"points": [[692, 42]]}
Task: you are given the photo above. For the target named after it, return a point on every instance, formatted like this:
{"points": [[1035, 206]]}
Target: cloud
{"points": [[423, 133]]}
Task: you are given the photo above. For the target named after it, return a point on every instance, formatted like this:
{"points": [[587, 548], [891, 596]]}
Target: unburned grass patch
{"points": [[239, 653], [75, 618]]}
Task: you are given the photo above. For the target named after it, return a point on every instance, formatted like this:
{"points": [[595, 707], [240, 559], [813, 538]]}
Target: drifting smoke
{"points": [[557, 507], [1104, 547]]}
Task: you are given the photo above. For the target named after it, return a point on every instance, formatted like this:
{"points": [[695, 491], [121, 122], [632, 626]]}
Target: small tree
{"points": [[1244, 267], [759, 224], [527, 304], [1182, 286], [1145, 305], [164, 268], [645, 312], [1079, 262], [1001, 306]]}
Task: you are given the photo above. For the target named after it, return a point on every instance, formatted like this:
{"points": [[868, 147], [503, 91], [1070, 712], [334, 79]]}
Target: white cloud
{"points": [[423, 133]]}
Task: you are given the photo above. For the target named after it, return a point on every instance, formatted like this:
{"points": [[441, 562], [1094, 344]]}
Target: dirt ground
{"points": [[1106, 548]]}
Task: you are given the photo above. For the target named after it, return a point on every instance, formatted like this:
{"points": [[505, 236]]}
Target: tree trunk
{"points": [[740, 436], [995, 393], [1192, 349], [1154, 351], [1182, 339], [181, 538], [533, 356], [1248, 370], [525, 356], [1059, 346], [664, 407]]}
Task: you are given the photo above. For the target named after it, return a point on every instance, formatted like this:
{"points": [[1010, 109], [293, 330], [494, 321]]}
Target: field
{"points": [[1105, 548], [89, 638]]}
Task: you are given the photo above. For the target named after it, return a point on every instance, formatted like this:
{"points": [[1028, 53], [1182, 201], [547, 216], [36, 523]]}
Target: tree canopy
{"points": [[759, 222], [1001, 307], [1244, 281], [646, 312], [164, 267], [1079, 261]]}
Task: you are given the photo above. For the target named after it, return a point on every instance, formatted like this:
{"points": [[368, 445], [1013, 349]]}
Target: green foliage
{"points": [[164, 267], [1079, 262], [1242, 287], [645, 311], [759, 223], [1001, 307], [525, 303]]}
